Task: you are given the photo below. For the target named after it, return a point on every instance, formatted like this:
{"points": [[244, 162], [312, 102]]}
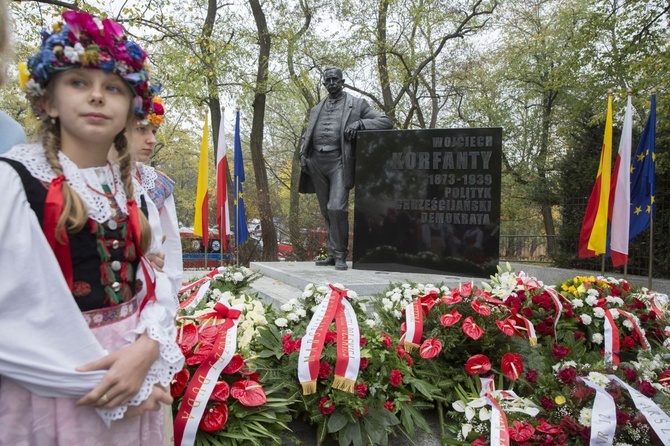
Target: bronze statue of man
{"points": [[327, 158]]}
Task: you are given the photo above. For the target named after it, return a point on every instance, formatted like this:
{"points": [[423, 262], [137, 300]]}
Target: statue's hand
{"points": [[350, 131], [303, 162]]}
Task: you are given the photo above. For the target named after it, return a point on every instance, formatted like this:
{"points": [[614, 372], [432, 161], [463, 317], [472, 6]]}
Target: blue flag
{"points": [[241, 231], [643, 177]]}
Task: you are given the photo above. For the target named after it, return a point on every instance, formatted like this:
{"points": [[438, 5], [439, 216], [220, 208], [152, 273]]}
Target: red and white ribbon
{"points": [[499, 425], [202, 383], [199, 288], [336, 307], [414, 325], [611, 339], [636, 327], [558, 306], [657, 419], [603, 416]]}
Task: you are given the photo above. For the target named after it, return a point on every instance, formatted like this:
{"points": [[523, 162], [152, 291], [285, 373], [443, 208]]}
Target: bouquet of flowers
{"points": [[361, 388], [519, 362], [220, 396]]}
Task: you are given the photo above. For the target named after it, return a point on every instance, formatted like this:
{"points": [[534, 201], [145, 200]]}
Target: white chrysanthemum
{"points": [[615, 300], [614, 312], [286, 307], [585, 318], [597, 338], [599, 379], [281, 322], [308, 291], [387, 304], [395, 297], [585, 417], [628, 324], [363, 307], [300, 312], [292, 317], [216, 293], [591, 300], [370, 323], [397, 314], [592, 292], [73, 53], [238, 277], [577, 303], [599, 312]]}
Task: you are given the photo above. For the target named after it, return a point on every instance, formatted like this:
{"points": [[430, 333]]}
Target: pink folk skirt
{"points": [[27, 419]]}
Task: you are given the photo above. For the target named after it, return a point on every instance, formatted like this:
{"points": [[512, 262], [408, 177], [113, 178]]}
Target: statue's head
{"points": [[333, 80]]}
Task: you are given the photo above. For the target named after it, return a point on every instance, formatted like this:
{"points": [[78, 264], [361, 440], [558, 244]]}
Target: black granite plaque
{"points": [[428, 201]]}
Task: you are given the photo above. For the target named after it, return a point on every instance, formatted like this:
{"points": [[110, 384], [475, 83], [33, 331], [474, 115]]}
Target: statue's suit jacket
{"points": [[355, 109]]}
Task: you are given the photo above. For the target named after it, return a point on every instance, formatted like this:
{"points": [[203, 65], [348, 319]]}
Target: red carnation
{"points": [[664, 378], [324, 370], [331, 337], [527, 311], [362, 341], [388, 405], [364, 363], [621, 418], [395, 378], [477, 365], [481, 441], [628, 343], [560, 351], [361, 390], [546, 403], [630, 374], [531, 376], [567, 375], [326, 406], [386, 340], [647, 389]]}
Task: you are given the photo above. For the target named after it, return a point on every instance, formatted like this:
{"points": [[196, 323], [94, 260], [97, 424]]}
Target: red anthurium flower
{"points": [[477, 365], [202, 353], [187, 337], [471, 329], [179, 382], [664, 378], [506, 326], [481, 308], [214, 418], [450, 319], [512, 365], [429, 300], [521, 432], [451, 299], [208, 333], [430, 348], [465, 290], [481, 441], [235, 365], [547, 428], [221, 392], [249, 393]]}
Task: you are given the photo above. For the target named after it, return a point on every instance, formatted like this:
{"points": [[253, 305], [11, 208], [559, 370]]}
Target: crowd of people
{"points": [[91, 255]]}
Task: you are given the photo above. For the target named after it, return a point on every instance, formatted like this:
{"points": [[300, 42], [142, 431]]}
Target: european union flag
{"points": [[643, 177], [241, 231]]}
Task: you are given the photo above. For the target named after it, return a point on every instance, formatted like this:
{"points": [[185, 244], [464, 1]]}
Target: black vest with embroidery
{"points": [[104, 260]]}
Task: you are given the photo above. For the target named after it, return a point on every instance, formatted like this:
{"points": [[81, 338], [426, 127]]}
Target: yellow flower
{"points": [[581, 289], [24, 75], [560, 400]]}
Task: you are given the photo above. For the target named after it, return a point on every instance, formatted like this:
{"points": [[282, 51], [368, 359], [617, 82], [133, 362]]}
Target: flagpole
{"points": [[651, 248], [222, 232], [237, 222]]}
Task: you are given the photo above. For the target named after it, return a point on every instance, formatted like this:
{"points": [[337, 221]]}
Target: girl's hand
{"points": [[158, 395], [127, 368], [157, 260]]}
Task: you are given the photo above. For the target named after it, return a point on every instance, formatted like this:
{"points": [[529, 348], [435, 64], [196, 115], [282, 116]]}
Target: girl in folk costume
{"points": [[159, 188], [87, 348]]}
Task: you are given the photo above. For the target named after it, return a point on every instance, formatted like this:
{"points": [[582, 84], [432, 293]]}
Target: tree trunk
{"points": [[269, 234]]}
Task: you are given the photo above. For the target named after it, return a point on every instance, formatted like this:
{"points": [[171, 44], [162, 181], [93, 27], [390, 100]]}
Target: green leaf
{"points": [[337, 421], [352, 434]]}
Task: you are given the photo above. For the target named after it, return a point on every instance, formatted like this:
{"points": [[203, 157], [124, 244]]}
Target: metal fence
{"points": [[525, 248]]}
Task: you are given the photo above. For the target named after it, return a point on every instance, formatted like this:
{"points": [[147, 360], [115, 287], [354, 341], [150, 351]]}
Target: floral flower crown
{"points": [[156, 116], [85, 41]]}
